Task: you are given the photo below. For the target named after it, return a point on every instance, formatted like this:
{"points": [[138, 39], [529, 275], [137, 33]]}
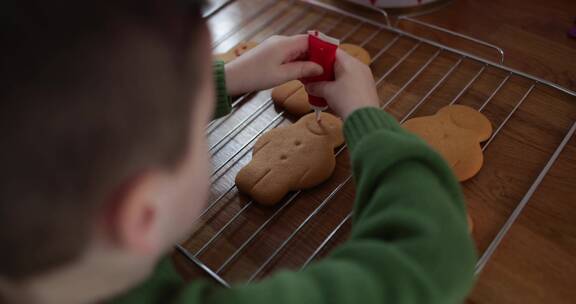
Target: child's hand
{"points": [[353, 88], [272, 63]]}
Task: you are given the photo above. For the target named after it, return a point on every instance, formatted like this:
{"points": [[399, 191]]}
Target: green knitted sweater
{"points": [[409, 240]]}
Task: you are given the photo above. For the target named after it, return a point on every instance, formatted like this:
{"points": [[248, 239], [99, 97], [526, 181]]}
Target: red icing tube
{"points": [[322, 50]]}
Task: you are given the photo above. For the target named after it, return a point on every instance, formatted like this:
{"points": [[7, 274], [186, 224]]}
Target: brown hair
{"points": [[74, 126]]}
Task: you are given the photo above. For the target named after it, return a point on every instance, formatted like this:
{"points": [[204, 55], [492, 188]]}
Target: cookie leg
{"points": [[466, 168], [249, 177], [264, 185], [272, 187]]}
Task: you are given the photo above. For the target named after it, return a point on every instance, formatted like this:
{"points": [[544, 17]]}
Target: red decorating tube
{"points": [[321, 50]]}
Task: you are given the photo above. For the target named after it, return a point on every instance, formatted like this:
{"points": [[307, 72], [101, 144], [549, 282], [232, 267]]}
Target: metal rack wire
{"points": [[321, 12]]}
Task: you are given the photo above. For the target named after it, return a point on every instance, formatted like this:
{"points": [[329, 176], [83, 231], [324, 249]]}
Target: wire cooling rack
{"points": [[237, 240]]}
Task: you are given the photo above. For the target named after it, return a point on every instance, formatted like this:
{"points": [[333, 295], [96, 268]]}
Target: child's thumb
{"points": [[301, 69], [319, 89]]}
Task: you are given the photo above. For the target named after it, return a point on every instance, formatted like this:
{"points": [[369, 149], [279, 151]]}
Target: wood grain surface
{"points": [[537, 259]]}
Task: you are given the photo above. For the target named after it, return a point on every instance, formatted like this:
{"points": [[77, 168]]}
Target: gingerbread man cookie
{"points": [[285, 159], [236, 51], [357, 52], [292, 95], [455, 132]]}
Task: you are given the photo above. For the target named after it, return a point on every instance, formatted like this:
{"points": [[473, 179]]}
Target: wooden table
{"points": [[536, 261]]}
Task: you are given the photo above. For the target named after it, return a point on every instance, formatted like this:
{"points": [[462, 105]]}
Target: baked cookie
{"points": [[285, 159], [357, 52], [236, 51], [292, 96], [456, 133]]}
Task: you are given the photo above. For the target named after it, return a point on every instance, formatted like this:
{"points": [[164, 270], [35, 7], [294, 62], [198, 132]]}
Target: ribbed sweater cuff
{"points": [[223, 106], [365, 121]]}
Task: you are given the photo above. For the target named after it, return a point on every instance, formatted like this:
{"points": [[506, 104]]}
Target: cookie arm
{"points": [[223, 105], [264, 140]]}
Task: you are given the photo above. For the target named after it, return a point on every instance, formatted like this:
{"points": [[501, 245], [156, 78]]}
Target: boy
{"points": [[103, 111]]}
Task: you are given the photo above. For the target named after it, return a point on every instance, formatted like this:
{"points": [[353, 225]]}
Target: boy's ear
{"points": [[132, 219]]}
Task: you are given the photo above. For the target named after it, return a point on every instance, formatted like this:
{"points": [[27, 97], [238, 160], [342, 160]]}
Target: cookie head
{"points": [[468, 118], [357, 52], [455, 132], [328, 126]]}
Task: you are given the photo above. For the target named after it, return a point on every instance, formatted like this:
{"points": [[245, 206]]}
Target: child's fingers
{"points": [[296, 43], [300, 69], [319, 89], [294, 47], [343, 60]]}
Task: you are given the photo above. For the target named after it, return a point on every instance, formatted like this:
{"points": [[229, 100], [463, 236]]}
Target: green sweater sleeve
{"points": [[409, 241], [223, 106]]}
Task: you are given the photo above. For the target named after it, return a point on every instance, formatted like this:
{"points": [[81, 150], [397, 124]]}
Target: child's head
{"points": [[104, 105]]}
